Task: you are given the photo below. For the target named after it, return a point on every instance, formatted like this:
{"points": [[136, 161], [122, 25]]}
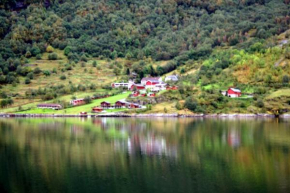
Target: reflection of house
{"points": [[97, 109], [49, 106], [171, 78]]}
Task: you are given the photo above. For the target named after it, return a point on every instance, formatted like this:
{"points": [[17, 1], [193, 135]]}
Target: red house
{"points": [[137, 86], [97, 109], [233, 92], [120, 104], [105, 104], [134, 106], [77, 102]]}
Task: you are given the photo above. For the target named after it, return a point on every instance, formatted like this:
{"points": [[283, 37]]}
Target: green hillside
{"points": [[58, 50]]}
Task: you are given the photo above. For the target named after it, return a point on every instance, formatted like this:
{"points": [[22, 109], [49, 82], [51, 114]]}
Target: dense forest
{"points": [[133, 29]]}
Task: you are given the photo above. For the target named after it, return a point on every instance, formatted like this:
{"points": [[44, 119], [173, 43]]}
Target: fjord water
{"points": [[144, 155]]}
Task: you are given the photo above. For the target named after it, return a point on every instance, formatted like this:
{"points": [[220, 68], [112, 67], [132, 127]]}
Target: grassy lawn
{"points": [[279, 93], [82, 108]]}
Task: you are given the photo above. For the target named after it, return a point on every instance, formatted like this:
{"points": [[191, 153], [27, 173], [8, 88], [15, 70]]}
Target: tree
{"points": [[67, 50], [3, 103], [49, 49], [94, 63], [27, 81], [37, 70], [52, 56], [46, 72], [87, 99], [30, 75], [178, 105], [285, 79], [28, 54], [190, 104]]}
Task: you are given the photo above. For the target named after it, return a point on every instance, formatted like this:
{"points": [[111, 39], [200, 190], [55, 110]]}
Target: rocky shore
{"points": [[150, 115]]}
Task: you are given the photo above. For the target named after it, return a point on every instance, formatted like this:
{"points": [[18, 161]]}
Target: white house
{"points": [[171, 78], [123, 84]]}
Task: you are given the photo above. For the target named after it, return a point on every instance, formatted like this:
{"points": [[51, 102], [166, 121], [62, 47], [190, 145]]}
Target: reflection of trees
{"points": [[228, 155]]}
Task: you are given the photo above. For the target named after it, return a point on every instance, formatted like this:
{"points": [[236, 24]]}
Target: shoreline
{"points": [[11, 115]]}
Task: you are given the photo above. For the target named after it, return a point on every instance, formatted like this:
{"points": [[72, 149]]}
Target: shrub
{"points": [[84, 58], [30, 75], [46, 72], [27, 81], [285, 79], [94, 64], [87, 99], [190, 104], [52, 56], [62, 77], [178, 106], [38, 56], [260, 103], [49, 49], [37, 71]]}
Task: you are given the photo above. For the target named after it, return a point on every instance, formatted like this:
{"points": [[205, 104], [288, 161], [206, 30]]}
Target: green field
{"points": [[78, 109]]}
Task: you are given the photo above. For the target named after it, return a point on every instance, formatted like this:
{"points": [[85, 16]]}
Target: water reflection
{"points": [[143, 155]]}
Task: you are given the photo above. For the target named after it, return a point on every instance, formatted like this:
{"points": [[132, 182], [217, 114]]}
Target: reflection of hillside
{"points": [[248, 151]]}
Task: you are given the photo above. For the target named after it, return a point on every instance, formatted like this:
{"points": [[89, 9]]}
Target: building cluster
{"points": [[153, 84], [117, 105]]}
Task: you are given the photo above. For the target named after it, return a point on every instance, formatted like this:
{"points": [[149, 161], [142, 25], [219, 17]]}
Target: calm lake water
{"points": [[144, 155]]}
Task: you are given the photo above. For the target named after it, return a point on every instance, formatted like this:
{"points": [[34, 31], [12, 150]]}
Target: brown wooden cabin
{"points": [[105, 104]]}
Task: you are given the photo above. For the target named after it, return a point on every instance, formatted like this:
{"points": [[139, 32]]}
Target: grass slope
{"points": [[78, 109]]}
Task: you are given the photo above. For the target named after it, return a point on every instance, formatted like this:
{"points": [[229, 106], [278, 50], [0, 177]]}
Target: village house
{"points": [[233, 93], [123, 84], [49, 106], [77, 102], [150, 81], [121, 104], [134, 106], [137, 87], [171, 78], [105, 104]]}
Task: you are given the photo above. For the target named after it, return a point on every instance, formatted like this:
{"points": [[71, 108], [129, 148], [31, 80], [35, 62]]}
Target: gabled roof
{"points": [[235, 90], [151, 79], [172, 76]]}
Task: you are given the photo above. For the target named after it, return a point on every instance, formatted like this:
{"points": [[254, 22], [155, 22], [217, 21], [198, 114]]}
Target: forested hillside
{"points": [[160, 29]]}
